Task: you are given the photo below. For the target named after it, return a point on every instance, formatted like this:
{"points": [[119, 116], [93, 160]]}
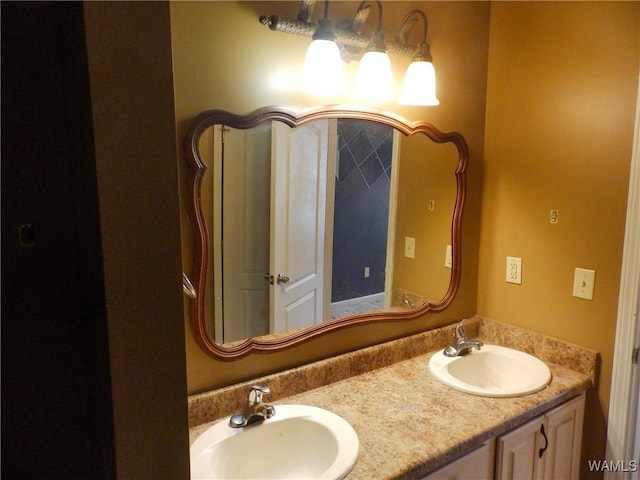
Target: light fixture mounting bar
{"points": [[344, 37]]}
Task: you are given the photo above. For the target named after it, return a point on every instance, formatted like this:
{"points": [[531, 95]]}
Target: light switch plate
{"points": [[583, 283], [409, 247]]}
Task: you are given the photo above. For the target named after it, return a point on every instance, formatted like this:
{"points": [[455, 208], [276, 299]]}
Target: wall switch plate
{"points": [[367, 272], [514, 270], [431, 205], [583, 283], [409, 247], [447, 257]]}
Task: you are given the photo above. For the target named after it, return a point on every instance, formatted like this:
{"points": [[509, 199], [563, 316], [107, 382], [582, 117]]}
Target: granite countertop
{"points": [[408, 423]]}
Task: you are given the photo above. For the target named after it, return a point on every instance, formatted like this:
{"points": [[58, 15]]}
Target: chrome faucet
{"points": [[254, 411], [462, 345]]}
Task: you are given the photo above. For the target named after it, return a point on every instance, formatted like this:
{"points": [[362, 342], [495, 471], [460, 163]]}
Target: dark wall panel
{"points": [[361, 208]]}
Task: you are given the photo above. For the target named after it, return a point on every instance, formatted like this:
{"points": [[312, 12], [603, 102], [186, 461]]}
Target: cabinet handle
{"points": [[546, 442]]}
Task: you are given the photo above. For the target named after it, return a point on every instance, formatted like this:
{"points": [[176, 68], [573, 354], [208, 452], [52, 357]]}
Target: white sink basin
{"points": [[299, 441], [492, 371]]}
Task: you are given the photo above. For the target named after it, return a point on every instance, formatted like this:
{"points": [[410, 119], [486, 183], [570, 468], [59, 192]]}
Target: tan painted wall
{"points": [[560, 111], [224, 58]]}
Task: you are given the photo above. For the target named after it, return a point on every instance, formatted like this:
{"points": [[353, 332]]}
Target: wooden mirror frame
{"points": [[197, 168]]}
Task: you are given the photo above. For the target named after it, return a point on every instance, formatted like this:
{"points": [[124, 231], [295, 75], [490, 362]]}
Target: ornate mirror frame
{"points": [[197, 168]]}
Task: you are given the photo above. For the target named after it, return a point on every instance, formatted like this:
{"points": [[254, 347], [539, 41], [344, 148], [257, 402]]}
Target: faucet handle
{"points": [[257, 392], [460, 334]]}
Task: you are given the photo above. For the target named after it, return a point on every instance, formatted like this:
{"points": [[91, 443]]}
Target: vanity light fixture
{"points": [[374, 81], [322, 68]]}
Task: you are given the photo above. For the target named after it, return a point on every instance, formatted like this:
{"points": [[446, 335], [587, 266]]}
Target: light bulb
{"points": [[322, 68], [419, 86], [374, 81]]}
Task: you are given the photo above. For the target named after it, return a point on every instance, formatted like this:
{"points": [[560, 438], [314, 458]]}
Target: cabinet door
{"points": [[518, 453], [474, 465], [564, 433]]}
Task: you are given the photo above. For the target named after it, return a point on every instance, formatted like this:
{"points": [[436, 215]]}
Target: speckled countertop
{"points": [[408, 423]]}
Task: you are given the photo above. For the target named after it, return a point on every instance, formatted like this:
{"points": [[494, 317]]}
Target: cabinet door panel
{"points": [[477, 464], [518, 453], [564, 430]]}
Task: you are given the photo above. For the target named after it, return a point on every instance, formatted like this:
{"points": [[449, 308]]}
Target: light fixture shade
{"points": [[374, 81], [322, 69], [419, 87]]}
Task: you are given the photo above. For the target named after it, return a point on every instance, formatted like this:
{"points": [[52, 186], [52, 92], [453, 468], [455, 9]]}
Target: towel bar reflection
{"points": [[187, 286]]}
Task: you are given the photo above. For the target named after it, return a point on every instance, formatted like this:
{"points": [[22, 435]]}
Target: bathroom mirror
{"points": [[306, 222]]}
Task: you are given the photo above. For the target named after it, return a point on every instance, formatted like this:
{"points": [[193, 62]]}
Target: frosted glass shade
{"points": [[374, 82], [322, 69], [419, 86]]}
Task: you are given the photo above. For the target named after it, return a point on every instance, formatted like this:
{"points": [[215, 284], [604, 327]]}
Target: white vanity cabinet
{"points": [[547, 447]]}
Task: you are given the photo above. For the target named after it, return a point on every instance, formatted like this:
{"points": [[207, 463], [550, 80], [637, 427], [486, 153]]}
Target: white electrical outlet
{"points": [[583, 283], [447, 257], [514, 270], [409, 247]]}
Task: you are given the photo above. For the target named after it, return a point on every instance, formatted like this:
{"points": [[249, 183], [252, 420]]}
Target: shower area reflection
{"points": [[361, 217]]}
